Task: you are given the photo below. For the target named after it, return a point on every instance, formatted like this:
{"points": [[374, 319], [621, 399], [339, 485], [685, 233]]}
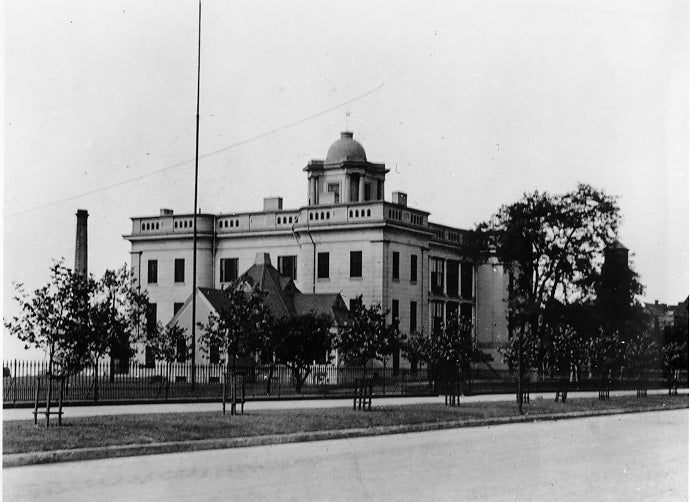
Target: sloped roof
{"points": [[283, 299], [331, 304], [215, 297], [278, 295]]}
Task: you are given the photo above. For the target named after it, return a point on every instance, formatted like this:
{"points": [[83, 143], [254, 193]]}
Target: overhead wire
{"points": [[203, 156]]}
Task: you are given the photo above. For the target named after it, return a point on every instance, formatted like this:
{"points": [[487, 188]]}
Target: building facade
{"points": [[347, 239]]}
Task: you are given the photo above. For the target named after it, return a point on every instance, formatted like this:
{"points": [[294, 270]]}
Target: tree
{"points": [[165, 342], [450, 350], [414, 349], [641, 355], [675, 358], [368, 336], [235, 329], [301, 340], [606, 354], [54, 318], [117, 318], [553, 246]]}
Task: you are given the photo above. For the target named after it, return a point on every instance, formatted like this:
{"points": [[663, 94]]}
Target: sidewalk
{"points": [[90, 411]]}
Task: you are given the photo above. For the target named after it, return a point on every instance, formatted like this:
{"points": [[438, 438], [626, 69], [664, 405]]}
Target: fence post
{"points": [[14, 391]]}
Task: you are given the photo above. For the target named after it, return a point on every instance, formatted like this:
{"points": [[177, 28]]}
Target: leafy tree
{"points": [[606, 355], [301, 340], [267, 341], [451, 350], [165, 342], [414, 349], [675, 358], [117, 318], [368, 336], [54, 318], [642, 354], [554, 247], [235, 330]]}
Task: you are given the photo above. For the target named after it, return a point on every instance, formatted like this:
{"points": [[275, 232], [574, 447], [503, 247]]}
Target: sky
{"points": [[468, 103]]}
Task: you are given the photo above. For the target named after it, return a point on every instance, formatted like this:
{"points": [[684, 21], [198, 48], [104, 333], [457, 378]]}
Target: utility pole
{"points": [[196, 190]]}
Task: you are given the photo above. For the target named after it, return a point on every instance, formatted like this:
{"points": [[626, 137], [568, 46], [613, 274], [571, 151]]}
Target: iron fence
{"points": [[134, 382]]}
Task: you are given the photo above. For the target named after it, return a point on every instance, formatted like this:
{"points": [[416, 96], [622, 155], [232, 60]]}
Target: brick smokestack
{"points": [[81, 254]]}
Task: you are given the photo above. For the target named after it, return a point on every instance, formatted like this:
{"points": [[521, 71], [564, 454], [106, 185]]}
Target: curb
{"points": [[119, 451]]}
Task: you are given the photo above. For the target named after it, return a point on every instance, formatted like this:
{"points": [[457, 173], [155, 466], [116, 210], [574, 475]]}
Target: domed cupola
{"points": [[345, 149], [345, 176]]}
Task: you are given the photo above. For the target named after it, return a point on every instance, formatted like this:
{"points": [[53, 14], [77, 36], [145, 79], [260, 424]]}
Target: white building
{"points": [[346, 240]]}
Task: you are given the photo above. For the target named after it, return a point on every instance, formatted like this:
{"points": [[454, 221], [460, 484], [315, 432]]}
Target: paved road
{"points": [[88, 411], [626, 457]]}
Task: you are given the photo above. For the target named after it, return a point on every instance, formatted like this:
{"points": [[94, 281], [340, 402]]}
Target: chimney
{"points": [[273, 203], [81, 254], [262, 259], [400, 198]]}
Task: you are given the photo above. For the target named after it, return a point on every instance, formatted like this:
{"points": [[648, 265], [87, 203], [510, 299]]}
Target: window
{"points": [[152, 271], [413, 268], [466, 312], [379, 190], [355, 264], [413, 317], [354, 188], [181, 350], [149, 358], [228, 269], [396, 266], [437, 269], [367, 191], [177, 307], [322, 266], [179, 269], [287, 266], [214, 354], [335, 189], [452, 275], [395, 314], [353, 303], [451, 309], [151, 319], [466, 280], [437, 316]]}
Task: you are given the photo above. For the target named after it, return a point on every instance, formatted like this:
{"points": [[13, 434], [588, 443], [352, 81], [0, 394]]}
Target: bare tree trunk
{"points": [[50, 384]]}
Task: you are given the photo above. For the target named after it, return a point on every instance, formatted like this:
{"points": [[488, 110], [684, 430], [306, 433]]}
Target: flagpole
{"points": [[196, 189]]}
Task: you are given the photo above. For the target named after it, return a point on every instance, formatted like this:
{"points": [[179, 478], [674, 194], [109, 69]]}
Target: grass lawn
{"points": [[82, 432]]}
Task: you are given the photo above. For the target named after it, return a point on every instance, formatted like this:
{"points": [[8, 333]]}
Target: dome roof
{"points": [[344, 149]]}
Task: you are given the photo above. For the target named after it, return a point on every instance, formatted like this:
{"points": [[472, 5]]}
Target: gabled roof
{"points": [[331, 304], [283, 299], [278, 291], [215, 297]]}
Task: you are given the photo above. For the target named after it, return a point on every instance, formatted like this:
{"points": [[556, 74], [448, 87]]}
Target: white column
{"points": [[360, 196]]}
